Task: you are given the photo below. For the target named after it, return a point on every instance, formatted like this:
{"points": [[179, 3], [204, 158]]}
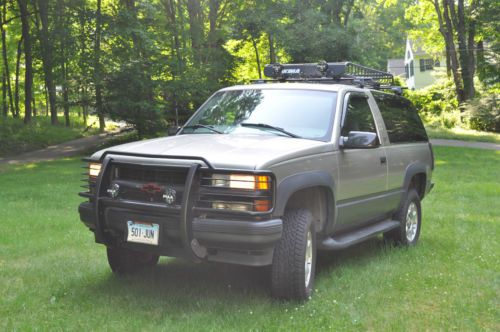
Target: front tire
{"points": [[410, 218], [294, 260], [126, 261]]}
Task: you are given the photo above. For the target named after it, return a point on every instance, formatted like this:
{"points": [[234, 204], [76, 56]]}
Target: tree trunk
{"points": [[46, 100], [4, 96], [28, 71], [446, 29], [97, 68], [172, 26], [16, 81], [448, 64], [257, 58], [33, 104], [466, 56], [46, 48], [195, 28], [61, 24], [5, 58], [65, 94], [272, 50]]}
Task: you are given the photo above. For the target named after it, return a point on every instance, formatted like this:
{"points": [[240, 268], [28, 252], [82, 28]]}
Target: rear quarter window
{"points": [[401, 119]]}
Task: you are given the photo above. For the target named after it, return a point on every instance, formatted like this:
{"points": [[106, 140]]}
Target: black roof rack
{"points": [[329, 72]]}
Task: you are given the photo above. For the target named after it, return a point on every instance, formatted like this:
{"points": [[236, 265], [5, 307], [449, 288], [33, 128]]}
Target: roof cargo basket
{"points": [[329, 72]]}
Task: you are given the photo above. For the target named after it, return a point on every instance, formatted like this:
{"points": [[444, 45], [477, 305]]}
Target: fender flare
{"points": [[290, 185], [411, 170]]}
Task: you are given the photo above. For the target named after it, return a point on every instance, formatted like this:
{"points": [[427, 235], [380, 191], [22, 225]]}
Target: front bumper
{"points": [[229, 241]]}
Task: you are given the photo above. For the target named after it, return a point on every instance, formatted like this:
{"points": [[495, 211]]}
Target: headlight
{"points": [[94, 169], [242, 192], [241, 181]]}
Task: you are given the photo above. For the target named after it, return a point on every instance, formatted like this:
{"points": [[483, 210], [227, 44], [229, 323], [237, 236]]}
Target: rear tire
{"points": [[126, 261], [294, 260], [410, 218]]}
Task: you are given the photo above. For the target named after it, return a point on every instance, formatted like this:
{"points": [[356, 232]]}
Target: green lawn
{"points": [[463, 134], [53, 277]]}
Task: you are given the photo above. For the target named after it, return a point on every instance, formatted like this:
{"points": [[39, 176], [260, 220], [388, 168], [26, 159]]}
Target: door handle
{"points": [[383, 160]]}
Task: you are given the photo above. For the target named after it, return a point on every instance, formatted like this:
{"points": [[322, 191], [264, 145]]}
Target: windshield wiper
{"points": [[199, 125], [264, 125]]}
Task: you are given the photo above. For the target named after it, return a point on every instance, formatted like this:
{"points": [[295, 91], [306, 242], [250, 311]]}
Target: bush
{"points": [[483, 113], [434, 100]]}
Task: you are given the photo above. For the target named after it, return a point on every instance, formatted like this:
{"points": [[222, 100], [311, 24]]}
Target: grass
{"points": [[15, 137], [54, 277], [463, 134]]}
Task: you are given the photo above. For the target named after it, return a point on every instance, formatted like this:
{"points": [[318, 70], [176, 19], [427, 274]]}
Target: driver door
{"points": [[362, 172]]}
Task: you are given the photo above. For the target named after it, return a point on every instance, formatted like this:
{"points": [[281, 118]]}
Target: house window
{"points": [[427, 64], [411, 69], [407, 71]]}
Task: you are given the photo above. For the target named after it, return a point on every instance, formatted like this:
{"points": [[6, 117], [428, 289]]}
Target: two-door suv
{"points": [[317, 157]]}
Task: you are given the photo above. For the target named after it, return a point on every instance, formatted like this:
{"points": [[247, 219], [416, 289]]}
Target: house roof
{"points": [[396, 66], [416, 50]]}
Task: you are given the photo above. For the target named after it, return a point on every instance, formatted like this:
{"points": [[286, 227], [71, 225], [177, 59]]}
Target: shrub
{"points": [[483, 113]]}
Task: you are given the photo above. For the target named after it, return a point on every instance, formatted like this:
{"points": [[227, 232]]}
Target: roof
{"points": [[416, 50], [396, 66]]}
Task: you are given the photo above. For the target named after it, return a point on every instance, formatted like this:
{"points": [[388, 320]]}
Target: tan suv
{"points": [[267, 174]]}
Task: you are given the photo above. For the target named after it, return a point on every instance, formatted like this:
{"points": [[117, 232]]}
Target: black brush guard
{"points": [[186, 227]]}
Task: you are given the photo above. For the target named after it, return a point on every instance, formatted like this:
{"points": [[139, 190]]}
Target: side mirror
{"points": [[359, 140], [171, 131]]}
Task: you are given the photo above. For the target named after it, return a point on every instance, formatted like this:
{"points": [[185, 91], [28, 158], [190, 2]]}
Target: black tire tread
{"points": [[288, 263]]}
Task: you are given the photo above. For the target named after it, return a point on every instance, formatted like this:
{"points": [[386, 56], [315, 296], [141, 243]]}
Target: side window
{"points": [[401, 119], [358, 116]]}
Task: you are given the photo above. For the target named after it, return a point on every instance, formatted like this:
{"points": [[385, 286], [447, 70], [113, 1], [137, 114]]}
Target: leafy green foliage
{"points": [[16, 137], [484, 113], [159, 60], [436, 104], [127, 88]]}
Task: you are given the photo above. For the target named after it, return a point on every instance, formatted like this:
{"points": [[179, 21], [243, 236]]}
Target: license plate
{"points": [[140, 232]]}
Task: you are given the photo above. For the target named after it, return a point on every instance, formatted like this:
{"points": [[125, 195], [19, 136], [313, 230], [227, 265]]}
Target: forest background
{"points": [[151, 63]]}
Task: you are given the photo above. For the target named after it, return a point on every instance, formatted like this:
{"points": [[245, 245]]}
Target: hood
{"points": [[239, 151]]}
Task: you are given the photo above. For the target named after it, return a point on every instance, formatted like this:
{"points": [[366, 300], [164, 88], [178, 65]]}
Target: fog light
{"points": [[219, 205], [114, 190]]}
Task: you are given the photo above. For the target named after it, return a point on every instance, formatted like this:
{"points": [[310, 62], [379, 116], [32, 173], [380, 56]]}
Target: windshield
{"points": [[293, 113]]}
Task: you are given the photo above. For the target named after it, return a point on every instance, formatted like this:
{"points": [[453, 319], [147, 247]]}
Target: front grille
{"points": [[170, 176], [149, 184]]}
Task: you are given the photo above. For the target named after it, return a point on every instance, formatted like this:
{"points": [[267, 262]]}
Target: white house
{"points": [[418, 68]]}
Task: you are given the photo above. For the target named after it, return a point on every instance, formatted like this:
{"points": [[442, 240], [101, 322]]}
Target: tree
{"points": [[97, 67], [28, 72], [6, 86], [47, 58]]}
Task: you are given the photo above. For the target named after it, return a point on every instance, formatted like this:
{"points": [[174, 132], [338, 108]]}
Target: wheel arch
{"points": [[416, 177], [311, 190]]}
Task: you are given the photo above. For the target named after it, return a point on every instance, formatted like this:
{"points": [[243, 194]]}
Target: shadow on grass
{"points": [[184, 282], [212, 283]]}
